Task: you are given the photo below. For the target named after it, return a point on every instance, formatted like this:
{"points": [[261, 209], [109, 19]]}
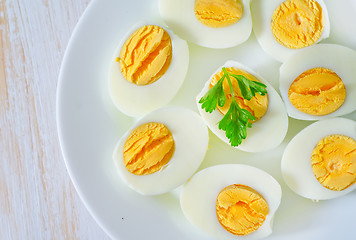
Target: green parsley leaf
{"points": [[236, 120], [249, 88], [215, 96]]}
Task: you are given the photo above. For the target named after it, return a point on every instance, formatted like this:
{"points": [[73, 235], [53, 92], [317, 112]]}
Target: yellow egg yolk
{"points": [[218, 13], [298, 23], [334, 162], [146, 55], [240, 209], [317, 91], [257, 105], [148, 149]]}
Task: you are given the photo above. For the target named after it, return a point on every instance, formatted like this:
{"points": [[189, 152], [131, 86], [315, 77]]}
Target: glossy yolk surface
{"points": [[297, 23], [257, 106], [317, 91], [146, 55], [334, 162], [218, 13], [148, 149], [240, 209]]}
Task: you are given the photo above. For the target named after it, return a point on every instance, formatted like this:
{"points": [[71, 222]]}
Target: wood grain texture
{"points": [[37, 198]]}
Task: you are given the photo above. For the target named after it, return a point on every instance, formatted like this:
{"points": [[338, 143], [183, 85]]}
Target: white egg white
{"points": [[199, 194], [191, 139], [266, 133], [296, 160], [262, 15], [180, 17], [340, 59], [136, 101]]}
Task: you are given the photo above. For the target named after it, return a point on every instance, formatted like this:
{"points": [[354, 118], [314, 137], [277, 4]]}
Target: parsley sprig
{"points": [[236, 120]]}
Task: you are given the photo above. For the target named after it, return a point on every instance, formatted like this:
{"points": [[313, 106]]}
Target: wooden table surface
{"points": [[37, 198]]}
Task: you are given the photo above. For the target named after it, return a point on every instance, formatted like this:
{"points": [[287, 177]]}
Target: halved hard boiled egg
{"points": [[209, 23], [231, 201], [147, 70], [320, 161], [271, 120], [162, 150], [284, 27], [319, 82]]}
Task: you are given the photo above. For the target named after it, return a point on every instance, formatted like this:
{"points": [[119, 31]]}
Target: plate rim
{"points": [[59, 123]]}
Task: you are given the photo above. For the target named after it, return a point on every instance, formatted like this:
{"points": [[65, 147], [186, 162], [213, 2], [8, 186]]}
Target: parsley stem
{"points": [[226, 74]]}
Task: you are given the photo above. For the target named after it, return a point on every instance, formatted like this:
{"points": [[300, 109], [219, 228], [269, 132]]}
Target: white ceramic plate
{"points": [[89, 127]]}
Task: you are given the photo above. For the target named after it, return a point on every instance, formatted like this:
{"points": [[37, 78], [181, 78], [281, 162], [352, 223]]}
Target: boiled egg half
{"points": [[319, 82], [147, 69], [162, 150], [271, 124], [231, 201], [209, 23], [320, 162], [284, 27]]}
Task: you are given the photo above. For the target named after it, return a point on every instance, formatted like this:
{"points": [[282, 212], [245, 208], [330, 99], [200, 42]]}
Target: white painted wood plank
{"points": [[37, 199]]}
